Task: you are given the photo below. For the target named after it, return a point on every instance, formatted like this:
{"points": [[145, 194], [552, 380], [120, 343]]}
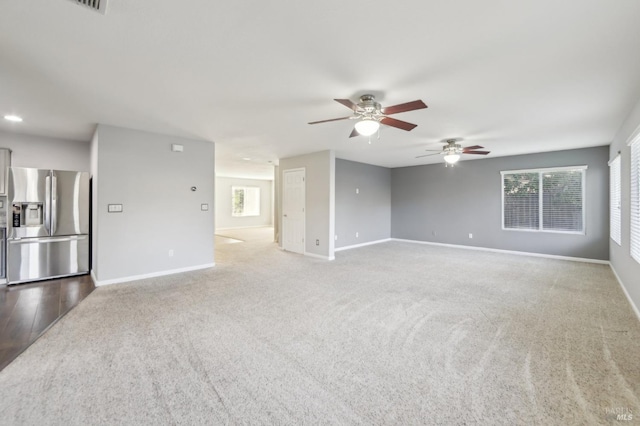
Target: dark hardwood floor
{"points": [[27, 310]]}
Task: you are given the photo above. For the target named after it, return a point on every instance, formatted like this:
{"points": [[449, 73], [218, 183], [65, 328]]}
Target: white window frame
{"points": [[246, 189], [615, 200], [541, 173], [634, 210]]}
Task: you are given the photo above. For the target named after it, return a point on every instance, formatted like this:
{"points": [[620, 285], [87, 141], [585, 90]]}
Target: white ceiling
{"points": [[514, 76]]}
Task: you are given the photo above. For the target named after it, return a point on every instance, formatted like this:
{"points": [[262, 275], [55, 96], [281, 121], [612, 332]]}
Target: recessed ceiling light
{"points": [[13, 118], [246, 158]]}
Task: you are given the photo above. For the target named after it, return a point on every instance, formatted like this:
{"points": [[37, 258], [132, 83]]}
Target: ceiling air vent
{"points": [[97, 5]]}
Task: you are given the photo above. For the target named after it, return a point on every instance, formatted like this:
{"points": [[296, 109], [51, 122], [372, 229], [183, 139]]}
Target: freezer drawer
{"points": [[31, 259]]}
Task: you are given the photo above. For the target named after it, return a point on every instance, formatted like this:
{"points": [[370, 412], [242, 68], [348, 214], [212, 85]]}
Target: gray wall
{"points": [[452, 202], [161, 213], [621, 261], [319, 200], [369, 211], [224, 219], [46, 153]]}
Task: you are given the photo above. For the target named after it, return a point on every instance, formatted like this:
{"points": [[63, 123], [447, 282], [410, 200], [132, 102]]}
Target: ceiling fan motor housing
{"points": [[369, 106], [452, 148]]}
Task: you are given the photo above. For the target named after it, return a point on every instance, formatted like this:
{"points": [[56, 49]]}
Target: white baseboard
{"points": [[626, 293], [99, 283], [363, 244], [319, 256], [520, 253]]}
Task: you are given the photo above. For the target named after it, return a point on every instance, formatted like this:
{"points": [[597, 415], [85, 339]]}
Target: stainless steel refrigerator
{"points": [[48, 224]]}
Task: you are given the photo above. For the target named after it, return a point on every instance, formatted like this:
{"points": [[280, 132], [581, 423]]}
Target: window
{"points": [[550, 200], [615, 219], [245, 201], [635, 199]]}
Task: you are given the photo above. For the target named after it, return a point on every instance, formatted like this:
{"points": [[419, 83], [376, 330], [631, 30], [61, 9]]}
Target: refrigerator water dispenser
{"points": [[28, 214]]}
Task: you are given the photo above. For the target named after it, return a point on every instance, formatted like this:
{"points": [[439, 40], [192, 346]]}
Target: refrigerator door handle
{"points": [[46, 240], [54, 204], [47, 204]]}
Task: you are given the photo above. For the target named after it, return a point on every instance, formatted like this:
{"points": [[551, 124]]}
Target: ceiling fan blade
{"points": [[398, 123], [354, 133], [475, 152], [409, 106], [428, 155], [333, 119], [473, 147], [348, 103]]}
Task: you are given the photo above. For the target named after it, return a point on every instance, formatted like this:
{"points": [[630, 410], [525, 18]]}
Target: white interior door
{"points": [[293, 198]]}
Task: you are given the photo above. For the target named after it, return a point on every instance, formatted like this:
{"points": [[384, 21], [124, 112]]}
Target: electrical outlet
{"points": [[357, 235], [357, 190], [335, 238], [170, 253], [470, 235], [317, 242], [433, 233]]}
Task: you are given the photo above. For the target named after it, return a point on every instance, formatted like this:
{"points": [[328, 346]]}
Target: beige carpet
{"points": [[395, 333]]}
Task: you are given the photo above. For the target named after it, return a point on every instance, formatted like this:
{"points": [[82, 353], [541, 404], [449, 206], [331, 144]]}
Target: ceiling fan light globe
{"points": [[451, 158], [367, 127]]}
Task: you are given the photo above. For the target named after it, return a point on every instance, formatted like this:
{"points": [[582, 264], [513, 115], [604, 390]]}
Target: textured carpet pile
{"points": [[395, 333]]}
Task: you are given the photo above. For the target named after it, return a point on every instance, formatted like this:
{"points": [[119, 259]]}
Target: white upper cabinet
{"points": [[5, 162]]}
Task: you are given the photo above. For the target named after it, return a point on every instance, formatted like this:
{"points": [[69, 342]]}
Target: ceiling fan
{"points": [[452, 151], [370, 114]]}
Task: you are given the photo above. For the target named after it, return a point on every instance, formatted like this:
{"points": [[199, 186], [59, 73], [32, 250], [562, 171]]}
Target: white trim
{"points": [[306, 253], [613, 159], [626, 293], [551, 231], [151, 275], [520, 253], [544, 169], [317, 256], [363, 244], [634, 200], [615, 200]]}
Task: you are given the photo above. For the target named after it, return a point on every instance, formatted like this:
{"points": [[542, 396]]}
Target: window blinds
{"points": [[521, 201], [562, 201], [635, 200], [615, 201], [544, 199]]}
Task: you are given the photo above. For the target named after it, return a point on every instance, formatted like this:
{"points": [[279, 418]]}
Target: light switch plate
{"points": [[114, 208], [204, 207]]}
